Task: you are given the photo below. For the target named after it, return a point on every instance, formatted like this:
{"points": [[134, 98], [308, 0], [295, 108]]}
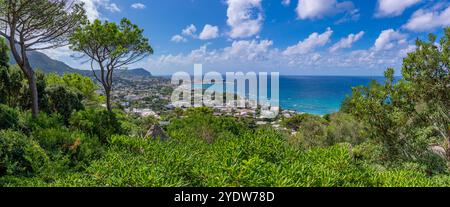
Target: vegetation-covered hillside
{"points": [[47, 65], [203, 151]]}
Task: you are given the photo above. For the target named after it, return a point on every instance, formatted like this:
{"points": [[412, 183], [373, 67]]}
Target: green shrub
{"points": [[22, 92], [138, 126], [267, 144], [297, 120], [8, 117], [370, 152], [199, 123], [345, 128], [138, 162], [311, 132], [96, 122], [42, 121], [434, 164], [64, 101], [11, 78], [77, 146], [133, 125], [332, 166], [76, 83], [20, 155]]}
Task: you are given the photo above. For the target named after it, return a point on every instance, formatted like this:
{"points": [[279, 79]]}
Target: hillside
{"points": [[49, 65]]}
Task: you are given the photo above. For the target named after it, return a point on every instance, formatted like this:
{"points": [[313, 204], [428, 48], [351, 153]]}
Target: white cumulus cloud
{"points": [[347, 42], [138, 6], [178, 38], [260, 55], [423, 20], [112, 7], [245, 17], [314, 41], [190, 30], [250, 50], [390, 8], [239, 51], [316, 9], [389, 39], [209, 32], [92, 8]]}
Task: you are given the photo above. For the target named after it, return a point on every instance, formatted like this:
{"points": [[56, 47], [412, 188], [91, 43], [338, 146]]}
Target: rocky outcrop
{"points": [[157, 132], [439, 151]]}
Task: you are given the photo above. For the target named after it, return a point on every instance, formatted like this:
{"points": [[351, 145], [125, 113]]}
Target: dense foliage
{"points": [[228, 154], [32, 25], [408, 116]]}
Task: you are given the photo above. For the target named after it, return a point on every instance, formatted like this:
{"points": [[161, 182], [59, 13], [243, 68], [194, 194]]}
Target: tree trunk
{"points": [[24, 64], [108, 99], [32, 86], [34, 95]]}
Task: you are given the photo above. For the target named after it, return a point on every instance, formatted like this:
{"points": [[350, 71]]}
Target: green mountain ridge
{"points": [[41, 61]]}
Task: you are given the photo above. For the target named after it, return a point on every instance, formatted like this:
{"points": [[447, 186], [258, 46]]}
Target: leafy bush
{"points": [[140, 162], [8, 117], [199, 123], [311, 132], [42, 121], [345, 128], [11, 84], [79, 148], [22, 92], [20, 155], [64, 101], [4, 53], [96, 122], [296, 121], [370, 152], [76, 83], [314, 131], [137, 126]]}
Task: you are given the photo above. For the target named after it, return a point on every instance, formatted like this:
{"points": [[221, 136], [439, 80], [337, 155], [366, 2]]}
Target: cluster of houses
{"points": [[137, 96], [142, 93]]}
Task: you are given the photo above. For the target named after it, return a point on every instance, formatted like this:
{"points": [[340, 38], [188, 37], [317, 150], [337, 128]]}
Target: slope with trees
{"points": [[32, 25], [110, 47]]}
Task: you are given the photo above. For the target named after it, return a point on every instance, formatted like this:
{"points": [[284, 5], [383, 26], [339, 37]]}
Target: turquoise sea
{"points": [[318, 94], [315, 94]]}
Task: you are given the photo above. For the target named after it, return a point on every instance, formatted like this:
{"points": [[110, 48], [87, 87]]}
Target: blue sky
{"points": [[303, 37]]}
